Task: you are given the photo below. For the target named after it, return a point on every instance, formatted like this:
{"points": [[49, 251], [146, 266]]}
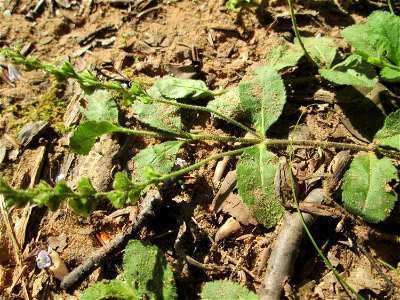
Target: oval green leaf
{"points": [[101, 106], [160, 158], [262, 97], [84, 136], [366, 190], [158, 115], [175, 88], [147, 269], [255, 180]]}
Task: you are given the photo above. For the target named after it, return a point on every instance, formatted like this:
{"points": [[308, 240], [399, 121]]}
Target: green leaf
{"points": [[353, 71], [158, 115], [366, 190], [115, 289], [146, 267], [262, 97], [88, 81], [84, 136], [82, 205], [175, 88], [322, 50], [226, 290], [255, 180], [377, 37], [45, 194], [42, 194], [117, 198], [134, 195], [227, 104], [283, 55], [389, 135], [149, 173], [100, 107], [85, 187], [68, 71], [121, 181], [389, 74], [161, 158]]}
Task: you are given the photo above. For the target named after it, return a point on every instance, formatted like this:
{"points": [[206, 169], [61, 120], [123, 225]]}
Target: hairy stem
{"points": [[270, 142], [296, 31], [200, 163]]}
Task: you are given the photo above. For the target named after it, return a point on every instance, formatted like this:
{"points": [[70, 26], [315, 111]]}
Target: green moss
{"points": [[49, 107]]}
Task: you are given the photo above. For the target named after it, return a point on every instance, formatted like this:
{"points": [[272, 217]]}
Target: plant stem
{"points": [[200, 163], [210, 110], [323, 144], [270, 142], [188, 136], [155, 134], [296, 31], [390, 7], [223, 138]]}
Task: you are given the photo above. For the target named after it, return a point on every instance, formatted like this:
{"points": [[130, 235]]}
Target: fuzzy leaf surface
{"points": [[262, 97], [366, 190], [322, 50], [352, 71], [377, 38], [115, 289], [100, 107], [226, 290], [283, 55], [158, 115], [227, 104], [146, 267], [389, 135], [84, 136], [160, 158], [175, 88], [255, 180]]}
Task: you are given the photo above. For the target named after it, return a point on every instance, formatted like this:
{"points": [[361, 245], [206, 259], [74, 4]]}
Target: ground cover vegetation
{"points": [[368, 189]]}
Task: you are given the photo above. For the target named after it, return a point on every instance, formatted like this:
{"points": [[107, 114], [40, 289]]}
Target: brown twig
{"points": [[285, 249]]}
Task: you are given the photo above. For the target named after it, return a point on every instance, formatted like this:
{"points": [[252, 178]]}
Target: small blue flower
{"points": [[43, 260]]}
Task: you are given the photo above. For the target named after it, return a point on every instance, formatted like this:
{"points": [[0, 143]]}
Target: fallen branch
{"points": [[285, 250]]}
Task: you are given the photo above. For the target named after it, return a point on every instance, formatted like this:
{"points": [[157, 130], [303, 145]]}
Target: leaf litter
{"points": [[222, 72]]}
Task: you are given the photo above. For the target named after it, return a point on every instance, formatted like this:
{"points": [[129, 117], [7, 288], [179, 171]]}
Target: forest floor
{"points": [[143, 41]]}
